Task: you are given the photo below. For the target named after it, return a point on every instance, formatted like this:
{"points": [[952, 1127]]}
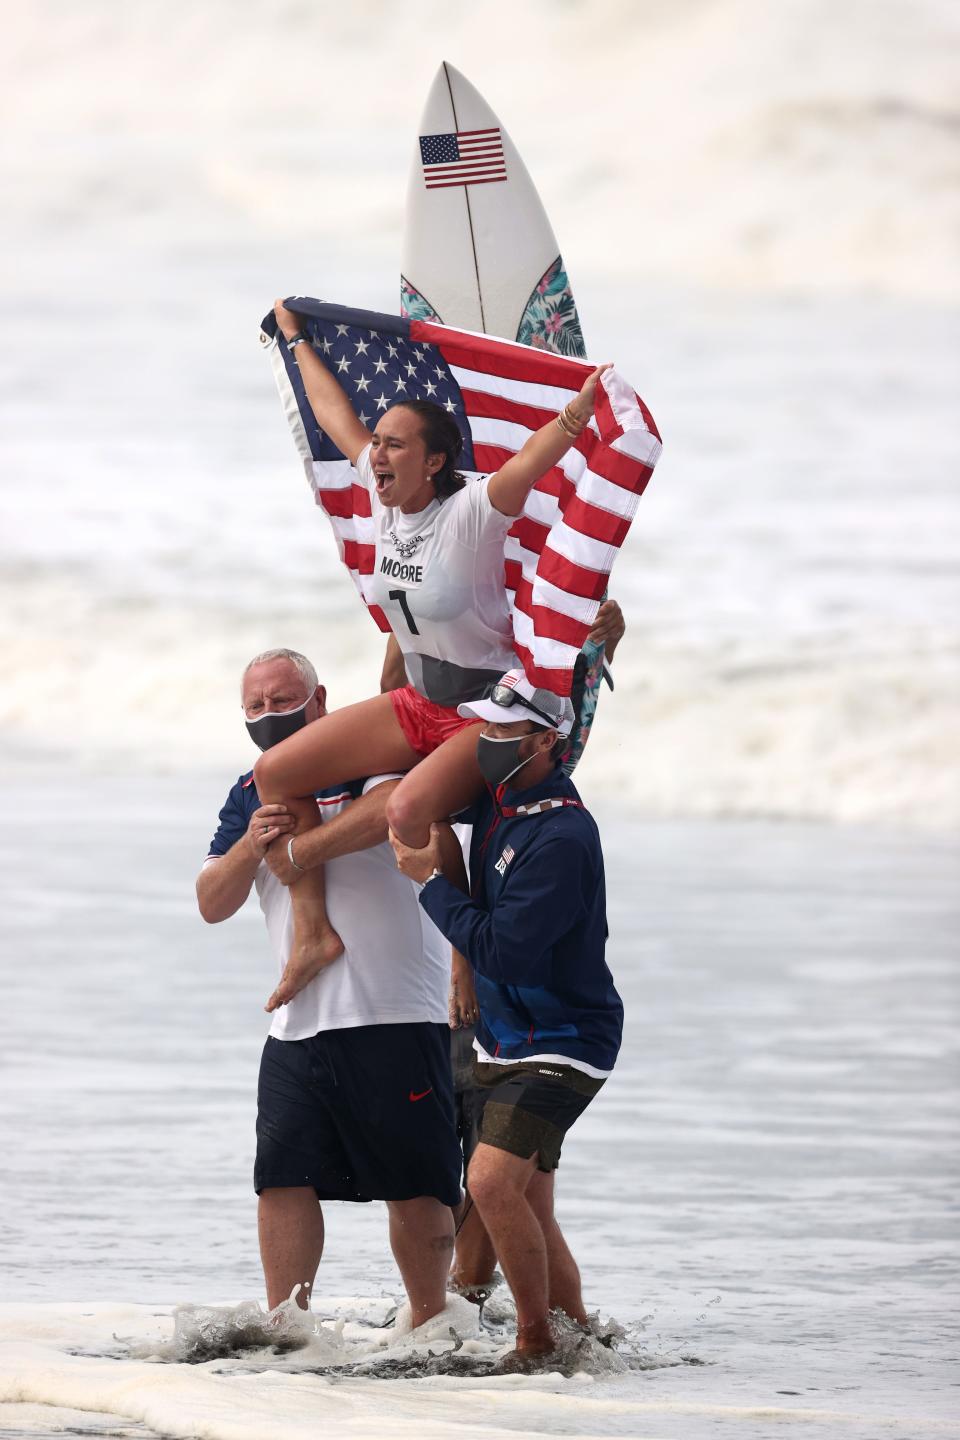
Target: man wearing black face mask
{"points": [[534, 931], [355, 1097]]}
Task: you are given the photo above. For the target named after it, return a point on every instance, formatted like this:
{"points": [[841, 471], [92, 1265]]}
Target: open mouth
{"points": [[384, 479]]}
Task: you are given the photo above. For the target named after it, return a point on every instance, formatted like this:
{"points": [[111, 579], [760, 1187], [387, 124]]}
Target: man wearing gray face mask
{"points": [[534, 932], [355, 1095]]}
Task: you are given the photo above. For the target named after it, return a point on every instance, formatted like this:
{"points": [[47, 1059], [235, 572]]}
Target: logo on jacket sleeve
{"points": [[504, 861]]}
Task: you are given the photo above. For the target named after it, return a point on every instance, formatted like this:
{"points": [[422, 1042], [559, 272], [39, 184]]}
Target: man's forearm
{"points": [[223, 886], [361, 826]]}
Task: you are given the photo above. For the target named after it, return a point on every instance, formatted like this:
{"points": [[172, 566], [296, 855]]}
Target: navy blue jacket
{"points": [[535, 927]]}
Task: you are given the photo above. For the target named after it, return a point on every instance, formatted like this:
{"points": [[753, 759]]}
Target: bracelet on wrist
{"points": [[301, 868], [569, 424], [298, 339]]}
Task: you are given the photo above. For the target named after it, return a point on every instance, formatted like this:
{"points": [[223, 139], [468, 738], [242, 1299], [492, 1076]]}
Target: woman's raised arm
{"points": [[509, 487], [328, 401]]}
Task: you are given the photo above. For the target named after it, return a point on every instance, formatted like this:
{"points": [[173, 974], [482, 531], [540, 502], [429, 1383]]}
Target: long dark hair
{"points": [[441, 435]]}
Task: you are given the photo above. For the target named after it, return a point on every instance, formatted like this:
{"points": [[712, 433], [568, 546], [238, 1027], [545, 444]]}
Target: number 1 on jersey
{"points": [[401, 598]]}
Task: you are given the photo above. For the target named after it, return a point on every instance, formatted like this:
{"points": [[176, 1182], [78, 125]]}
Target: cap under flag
{"points": [[513, 698]]}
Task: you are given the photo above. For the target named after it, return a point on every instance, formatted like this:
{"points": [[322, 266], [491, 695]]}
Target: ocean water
{"points": [[764, 1195]]}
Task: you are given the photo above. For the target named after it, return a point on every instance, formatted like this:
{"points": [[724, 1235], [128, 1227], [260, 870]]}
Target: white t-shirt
{"points": [[396, 965], [439, 580]]}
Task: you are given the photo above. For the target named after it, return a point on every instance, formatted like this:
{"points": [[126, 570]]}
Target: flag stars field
{"points": [[558, 554]]}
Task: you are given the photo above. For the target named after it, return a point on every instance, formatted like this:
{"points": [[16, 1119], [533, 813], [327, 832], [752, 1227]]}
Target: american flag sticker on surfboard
{"points": [[463, 157]]}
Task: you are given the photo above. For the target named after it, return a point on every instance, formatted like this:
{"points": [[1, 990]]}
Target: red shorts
{"points": [[424, 724]]}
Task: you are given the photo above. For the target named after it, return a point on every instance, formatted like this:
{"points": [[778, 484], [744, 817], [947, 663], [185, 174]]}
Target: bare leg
{"points": [[443, 783], [498, 1183], [421, 1238], [290, 1222], [474, 1258], [362, 739], [315, 943], [474, 1261], [563, 1275], [359, 740]]}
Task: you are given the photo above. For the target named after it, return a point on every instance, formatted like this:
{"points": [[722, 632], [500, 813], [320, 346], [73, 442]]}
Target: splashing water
{"points": [[207, 1332], [461, 1340]]}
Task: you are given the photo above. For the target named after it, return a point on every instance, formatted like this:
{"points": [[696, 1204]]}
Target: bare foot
{"points": [[307, 958], [526, 1362], [536, 1338], [478, 1292]]}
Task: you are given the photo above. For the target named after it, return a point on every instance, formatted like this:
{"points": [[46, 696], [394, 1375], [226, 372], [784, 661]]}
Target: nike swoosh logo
{"points": [[421, 1095]]}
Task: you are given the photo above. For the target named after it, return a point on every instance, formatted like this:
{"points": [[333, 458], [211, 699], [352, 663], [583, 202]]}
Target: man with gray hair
{"points": [[355, 1098]]}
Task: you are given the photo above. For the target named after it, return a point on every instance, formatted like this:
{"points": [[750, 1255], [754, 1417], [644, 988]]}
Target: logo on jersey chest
{"points": [[405, 548], [504, 861], [401, 570]]}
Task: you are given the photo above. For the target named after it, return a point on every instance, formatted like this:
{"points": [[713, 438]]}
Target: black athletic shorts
{"points": [[530, 1106], [359, 1114]]}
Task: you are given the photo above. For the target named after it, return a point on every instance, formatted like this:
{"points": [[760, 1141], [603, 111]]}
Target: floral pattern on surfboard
{"points": [[413, 306], [587, 675], [550, 321]]}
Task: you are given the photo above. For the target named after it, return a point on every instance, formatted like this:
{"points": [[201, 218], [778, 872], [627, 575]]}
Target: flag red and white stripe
{"points": [[559, 554]]}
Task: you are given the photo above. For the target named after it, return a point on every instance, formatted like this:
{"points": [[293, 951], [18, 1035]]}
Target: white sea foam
{"points": [[51, 1375]]}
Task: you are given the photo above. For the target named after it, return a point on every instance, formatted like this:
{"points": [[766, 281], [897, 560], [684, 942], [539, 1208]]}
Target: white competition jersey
{"points": [[395, 966], [439, 580]]}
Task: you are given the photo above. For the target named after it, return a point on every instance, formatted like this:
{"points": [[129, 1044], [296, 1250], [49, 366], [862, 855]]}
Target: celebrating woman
{"points": [[439, 578]]}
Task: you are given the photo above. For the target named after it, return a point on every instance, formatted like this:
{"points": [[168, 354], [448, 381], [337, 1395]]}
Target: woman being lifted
{"points": [[439, 578]]}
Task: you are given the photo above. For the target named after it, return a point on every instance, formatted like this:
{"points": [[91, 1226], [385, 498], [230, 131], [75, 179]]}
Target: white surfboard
{"points": [[478, 250], [479, 253]]}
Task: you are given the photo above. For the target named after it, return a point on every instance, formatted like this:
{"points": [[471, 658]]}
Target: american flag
{"points": [[464, 157], [559, 553]]}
